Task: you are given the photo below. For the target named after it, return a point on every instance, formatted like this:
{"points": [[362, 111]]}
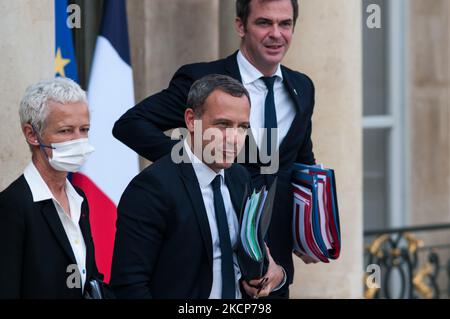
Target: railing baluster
{"points": [[396, 251]]}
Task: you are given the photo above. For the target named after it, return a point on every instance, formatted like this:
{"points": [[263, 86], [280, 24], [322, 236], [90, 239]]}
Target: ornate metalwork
{"points": [[403, 273]]}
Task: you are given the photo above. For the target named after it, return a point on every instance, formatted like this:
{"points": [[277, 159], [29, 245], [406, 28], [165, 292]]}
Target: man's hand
{"points": [[306, 259], [262, 287]]}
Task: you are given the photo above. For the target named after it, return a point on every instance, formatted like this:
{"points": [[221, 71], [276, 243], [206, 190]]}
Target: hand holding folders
{"points": [[316, 227]]}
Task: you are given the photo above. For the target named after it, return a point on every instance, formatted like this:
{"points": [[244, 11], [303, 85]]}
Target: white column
{"points": [[328, 47]]}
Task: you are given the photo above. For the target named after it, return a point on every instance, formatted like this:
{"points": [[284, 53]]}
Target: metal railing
{"points": [[406, 263]]}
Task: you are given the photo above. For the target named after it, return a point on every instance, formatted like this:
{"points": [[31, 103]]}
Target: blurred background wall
{"points": [[382, 101]]}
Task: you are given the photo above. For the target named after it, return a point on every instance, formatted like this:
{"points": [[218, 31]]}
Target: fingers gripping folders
{"points": [[315, 224]]}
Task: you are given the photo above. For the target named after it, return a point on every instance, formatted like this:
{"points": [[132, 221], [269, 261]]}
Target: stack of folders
{"points": [[316, 228], [254, 222]]}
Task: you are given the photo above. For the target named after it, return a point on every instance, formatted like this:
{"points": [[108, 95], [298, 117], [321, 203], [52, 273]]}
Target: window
{"points": [[384, 111]]}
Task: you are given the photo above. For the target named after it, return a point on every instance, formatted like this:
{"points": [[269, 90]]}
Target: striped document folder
{"points": [[316, 228], [254, 223]]}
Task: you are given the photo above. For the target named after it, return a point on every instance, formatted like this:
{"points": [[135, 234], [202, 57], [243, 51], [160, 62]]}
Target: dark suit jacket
{"points": [[34, 248], [141, 128], [163, 246]]}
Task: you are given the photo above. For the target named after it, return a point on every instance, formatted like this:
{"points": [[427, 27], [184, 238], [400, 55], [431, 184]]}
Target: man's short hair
{"points": [[243, 9], [203, 87]]}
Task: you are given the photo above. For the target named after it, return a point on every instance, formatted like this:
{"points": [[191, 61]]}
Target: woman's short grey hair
{"points": [[34, 105], [203, 88]]}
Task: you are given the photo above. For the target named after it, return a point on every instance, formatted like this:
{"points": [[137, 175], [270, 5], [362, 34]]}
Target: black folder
{"points": [[253, 226]]}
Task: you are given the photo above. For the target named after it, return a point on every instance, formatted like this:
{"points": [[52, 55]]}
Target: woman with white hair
{"points": [[46, 247]]}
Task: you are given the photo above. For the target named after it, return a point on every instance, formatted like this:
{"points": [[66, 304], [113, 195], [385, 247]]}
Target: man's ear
{"points": [[240, 27], [189, 118], [30, 134]]}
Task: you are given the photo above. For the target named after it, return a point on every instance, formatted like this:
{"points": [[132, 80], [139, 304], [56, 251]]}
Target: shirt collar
{"points": [[39, 188], [205, 175], [250, 73]]}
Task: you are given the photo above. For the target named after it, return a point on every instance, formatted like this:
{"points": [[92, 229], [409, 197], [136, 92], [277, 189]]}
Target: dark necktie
{"points": [[270, 114], [228, 279]]}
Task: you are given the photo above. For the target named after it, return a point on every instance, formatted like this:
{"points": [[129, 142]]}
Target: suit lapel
{"points": [[85, 230], [295, 95], [251, 150], [232, 68], [290, 88], [236, 193], [195, 195], [52, 218]]}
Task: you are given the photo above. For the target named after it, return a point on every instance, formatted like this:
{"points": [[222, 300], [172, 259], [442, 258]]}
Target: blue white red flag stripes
{"points": [[111, 167]]}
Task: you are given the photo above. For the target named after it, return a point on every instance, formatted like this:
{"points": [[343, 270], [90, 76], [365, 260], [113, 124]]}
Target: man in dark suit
{"points": [[282, 100], [177, 226]]}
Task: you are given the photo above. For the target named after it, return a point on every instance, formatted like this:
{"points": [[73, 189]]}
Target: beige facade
{"points": [[429, 112], [429, 122], [327, 45], [27, 55]]}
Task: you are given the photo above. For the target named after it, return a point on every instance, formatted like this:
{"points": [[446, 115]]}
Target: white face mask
{"points": [[70, 156]]}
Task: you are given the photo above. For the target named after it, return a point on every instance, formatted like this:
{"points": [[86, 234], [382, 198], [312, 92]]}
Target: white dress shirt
{"points": [[205, 176], [40, 192], [284, 106]]}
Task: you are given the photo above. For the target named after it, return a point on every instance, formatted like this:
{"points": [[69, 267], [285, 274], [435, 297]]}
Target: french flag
{"points": [[111, 167]]}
